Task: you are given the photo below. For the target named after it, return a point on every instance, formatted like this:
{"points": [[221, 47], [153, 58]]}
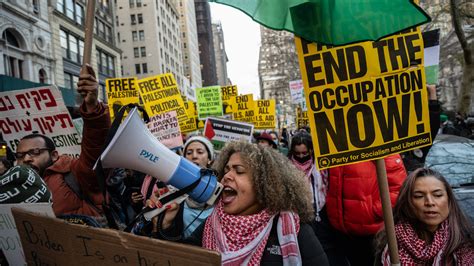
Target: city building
{"points": [[190, 46], [26, 50], [206, 43], [67, 22], [220, 55], [42, 41], [277, 66], [149, 37]]}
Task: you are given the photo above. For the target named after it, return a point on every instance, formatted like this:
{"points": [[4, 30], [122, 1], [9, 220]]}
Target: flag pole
{"points": [[387, 211], [88, 32]]}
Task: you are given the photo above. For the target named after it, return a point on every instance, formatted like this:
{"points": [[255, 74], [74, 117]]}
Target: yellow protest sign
{"points": [[265, 114], [365, 100], [228, 97], [160, 94], [120, 92], [243, 108], [302, 119], [209, 101], [189, 124]]}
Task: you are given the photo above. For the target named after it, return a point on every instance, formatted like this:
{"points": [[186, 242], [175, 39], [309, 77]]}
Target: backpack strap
{"points": [[71, 181]]}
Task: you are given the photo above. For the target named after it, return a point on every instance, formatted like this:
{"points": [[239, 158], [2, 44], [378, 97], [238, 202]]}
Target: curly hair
{"points": [[278, 184]]}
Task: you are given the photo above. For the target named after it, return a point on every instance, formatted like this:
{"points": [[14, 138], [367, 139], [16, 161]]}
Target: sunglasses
{"points": [[32, 152]]}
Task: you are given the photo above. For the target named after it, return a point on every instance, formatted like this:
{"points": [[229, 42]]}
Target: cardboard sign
{"points": [[10, 243], [220, 131], [228, 97], [189, 124], [160, 94], [265, 114], [243, 108], [365, 100], [209, 101], [50, 241], [165, 128], [120, 92], [38, 110]]}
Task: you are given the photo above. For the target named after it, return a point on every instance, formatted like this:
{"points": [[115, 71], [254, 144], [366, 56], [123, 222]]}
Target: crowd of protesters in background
{"points": [[276, 207]]}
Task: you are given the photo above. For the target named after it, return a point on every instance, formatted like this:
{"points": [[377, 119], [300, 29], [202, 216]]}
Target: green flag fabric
{"points": [[334, 22]]}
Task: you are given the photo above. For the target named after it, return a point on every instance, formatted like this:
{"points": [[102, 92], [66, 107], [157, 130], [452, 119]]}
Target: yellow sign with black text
{"points": [[365, 100], [120, 92], [228, 97], [243, 108], [189, 124], [302, 119], [160, 94], [265, 114]]}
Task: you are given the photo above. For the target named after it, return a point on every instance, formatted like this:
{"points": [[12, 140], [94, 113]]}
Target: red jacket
{"points": [[65, 201], [353, 201]]}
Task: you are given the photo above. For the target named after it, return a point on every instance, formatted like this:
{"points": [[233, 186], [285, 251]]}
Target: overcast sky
{"points": [[242, 43]]}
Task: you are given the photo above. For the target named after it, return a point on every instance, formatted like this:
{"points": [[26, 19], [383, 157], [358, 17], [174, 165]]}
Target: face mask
{"points": [[302, 159]]}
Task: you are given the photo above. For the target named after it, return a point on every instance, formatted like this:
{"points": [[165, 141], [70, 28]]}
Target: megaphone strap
{"points": [[99, 171]]}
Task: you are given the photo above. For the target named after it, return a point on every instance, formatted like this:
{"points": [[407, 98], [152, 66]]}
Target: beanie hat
{"points": [[204, 141], [267, 137], [21, 184]]}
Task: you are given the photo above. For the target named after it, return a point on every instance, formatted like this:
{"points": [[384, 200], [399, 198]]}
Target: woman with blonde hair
{"points": [[262, 214], [431, 229]]}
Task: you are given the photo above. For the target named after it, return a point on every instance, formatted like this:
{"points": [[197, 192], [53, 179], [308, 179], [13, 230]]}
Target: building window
{"points": [[137, 69], [133, 19], [144, 68], [72, 47], [70, 80], [141, 35], [139, 3], [131, 3], [140, 18], [36, 6], [79, 18], [136, 53], [70, 9], [134, 36], [106, 63], [42, 76], [143, 51]]}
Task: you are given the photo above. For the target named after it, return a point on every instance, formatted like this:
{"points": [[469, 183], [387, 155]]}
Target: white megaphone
{"points": [[134, 147]]}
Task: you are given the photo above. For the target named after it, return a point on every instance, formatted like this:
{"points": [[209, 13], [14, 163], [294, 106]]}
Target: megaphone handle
{"points": [[149, 213]]}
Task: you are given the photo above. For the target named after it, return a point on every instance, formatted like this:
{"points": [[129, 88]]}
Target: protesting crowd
{"points": [[276, 207]]}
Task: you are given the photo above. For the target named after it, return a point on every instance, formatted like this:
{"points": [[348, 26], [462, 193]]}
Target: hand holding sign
{"points": [[87, 87]]}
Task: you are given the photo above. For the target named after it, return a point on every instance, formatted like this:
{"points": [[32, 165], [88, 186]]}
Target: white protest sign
{"points": [[38, 110], [165, 128], [220, 131]]}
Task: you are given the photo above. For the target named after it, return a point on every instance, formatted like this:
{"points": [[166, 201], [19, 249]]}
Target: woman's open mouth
{"points": [[228, 195]]}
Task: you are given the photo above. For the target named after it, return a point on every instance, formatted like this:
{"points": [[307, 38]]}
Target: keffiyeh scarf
{"points": [[415, 251], [241, 239]]}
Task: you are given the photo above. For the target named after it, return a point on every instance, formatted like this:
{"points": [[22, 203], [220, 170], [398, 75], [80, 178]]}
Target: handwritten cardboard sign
{"points": [[10, 243], [50, 241]]}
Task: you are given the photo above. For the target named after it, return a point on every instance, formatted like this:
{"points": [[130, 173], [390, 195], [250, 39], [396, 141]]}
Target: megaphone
{"points": [[134, 147]]}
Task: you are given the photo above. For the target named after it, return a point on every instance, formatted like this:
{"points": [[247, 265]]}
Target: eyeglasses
{"points": [[32, 152]]}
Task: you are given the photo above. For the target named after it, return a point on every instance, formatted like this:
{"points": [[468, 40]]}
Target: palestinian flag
{"points": [[431, 52], [334, 22]]}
